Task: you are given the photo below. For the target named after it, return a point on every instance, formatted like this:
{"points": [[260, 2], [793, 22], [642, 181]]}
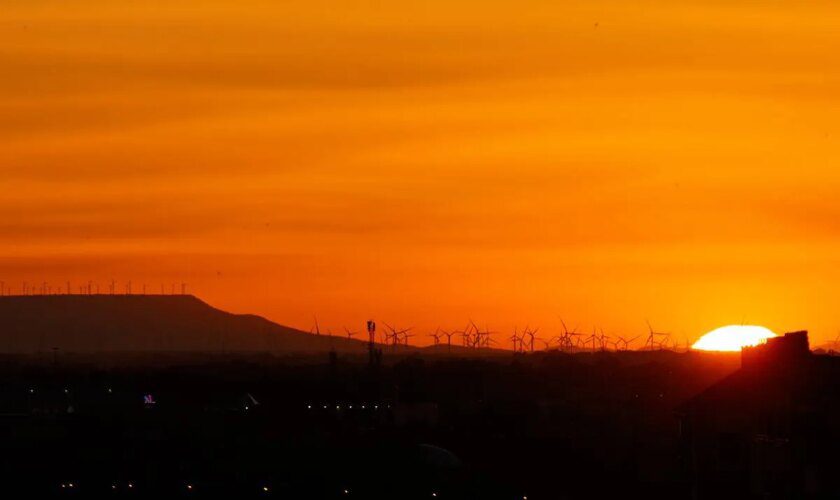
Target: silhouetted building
{"points": [[768, 430]]}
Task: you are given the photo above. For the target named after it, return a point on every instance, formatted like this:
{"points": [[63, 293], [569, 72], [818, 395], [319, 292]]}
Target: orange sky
{"points": [[428, 162]]}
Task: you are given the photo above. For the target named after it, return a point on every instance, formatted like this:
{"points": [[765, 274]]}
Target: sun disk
{"points": [[733, 338]]}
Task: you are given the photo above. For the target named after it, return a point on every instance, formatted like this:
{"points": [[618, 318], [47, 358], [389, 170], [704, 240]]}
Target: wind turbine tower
{"points": [[652, 342]]}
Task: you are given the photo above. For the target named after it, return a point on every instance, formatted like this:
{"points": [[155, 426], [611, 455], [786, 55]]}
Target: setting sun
{"points": [[732, 338]]}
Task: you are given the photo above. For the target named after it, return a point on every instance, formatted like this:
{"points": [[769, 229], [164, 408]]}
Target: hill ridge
{"points": [[120, 322]]}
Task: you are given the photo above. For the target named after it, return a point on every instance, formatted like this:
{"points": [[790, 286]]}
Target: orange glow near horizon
{"points": [[424, 163], [732, 338]]}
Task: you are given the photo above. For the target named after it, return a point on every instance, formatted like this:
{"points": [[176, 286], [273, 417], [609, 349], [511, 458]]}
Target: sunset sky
{"points": [[423, 163]]}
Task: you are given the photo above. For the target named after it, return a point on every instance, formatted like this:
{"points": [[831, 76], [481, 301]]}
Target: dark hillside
{"points": [[93, 323]]}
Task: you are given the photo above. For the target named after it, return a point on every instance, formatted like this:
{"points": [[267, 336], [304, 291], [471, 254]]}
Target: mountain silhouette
{"points": [[98, 323]]}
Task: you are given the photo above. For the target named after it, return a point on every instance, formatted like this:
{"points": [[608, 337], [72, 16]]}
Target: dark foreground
{"points": [[557, 426]]}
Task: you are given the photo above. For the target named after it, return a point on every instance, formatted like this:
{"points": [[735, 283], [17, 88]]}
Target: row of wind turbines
{"points": [[90, 288], [526, 340], [575, 341]]}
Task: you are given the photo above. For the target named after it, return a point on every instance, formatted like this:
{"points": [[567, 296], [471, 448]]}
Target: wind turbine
{"points": [[397, 335], [483, 338], [532, 336], [477, 335], [651, 342], [349, 333], [466, 335], [546, 343], [527, 345], [390, 336], [603, 339], [515, 340], [449, 340], [436, 336], [592, 338], [406, 336], [569, 339], [625, 342]]}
